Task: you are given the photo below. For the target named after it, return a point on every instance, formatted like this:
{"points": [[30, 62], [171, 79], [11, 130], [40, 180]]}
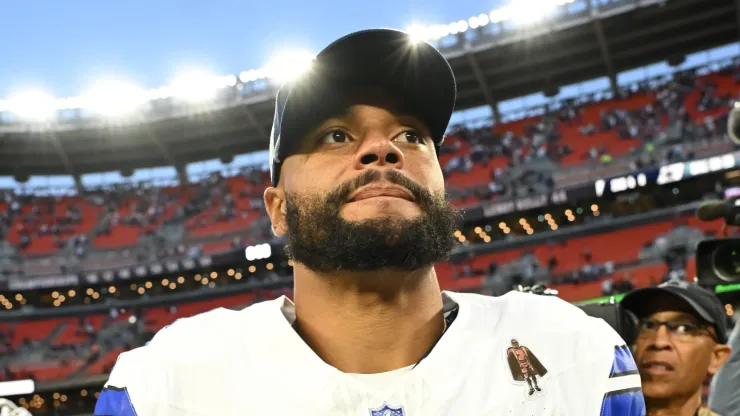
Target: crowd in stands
{"points": [[685, 109], [35, 217], [478, 163]]}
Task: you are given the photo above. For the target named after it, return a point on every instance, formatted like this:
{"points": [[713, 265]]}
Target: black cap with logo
{"points": [[414, 70], [703, 302]]}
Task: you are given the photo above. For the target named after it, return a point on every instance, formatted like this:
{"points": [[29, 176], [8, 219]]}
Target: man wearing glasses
{"points": [[682, 339]]}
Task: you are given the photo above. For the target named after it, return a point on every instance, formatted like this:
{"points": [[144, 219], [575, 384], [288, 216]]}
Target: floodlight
{"points": [[527, 12], [498, 15], [418, 33], [452, 28], [248, 76], [158, 93], [288, 66], [228, 80], [482, 19], [473, 22], [33, 105], [196, 86], [441, 31], [462, 26], [114, 98], [261, 73]]}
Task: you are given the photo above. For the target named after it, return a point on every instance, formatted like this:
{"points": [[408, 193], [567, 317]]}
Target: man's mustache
{"points": [[341, 194]]}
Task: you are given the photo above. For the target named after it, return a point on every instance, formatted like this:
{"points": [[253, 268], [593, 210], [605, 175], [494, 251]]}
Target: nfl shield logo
{"points": [[386, 410]]}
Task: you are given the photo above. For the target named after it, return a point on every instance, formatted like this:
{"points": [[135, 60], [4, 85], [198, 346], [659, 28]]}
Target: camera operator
{"points": [[724, 393], [681, 339]]}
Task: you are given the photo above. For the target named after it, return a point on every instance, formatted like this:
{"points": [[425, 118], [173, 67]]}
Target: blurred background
{"points": [[133, 158]]}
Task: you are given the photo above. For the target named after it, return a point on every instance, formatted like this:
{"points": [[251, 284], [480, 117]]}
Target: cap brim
{"points": [[637, 301], [379, 57]]}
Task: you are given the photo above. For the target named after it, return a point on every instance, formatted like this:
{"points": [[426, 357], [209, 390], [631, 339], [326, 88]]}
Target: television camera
{"points": [[718, 259]]}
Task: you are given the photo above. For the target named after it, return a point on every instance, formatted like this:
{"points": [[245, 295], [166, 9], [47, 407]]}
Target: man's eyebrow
{"points": [[685, 318]]}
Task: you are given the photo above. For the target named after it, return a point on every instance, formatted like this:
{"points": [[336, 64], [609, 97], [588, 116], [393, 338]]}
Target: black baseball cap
{"points": [[703, 302], [414, 70]]}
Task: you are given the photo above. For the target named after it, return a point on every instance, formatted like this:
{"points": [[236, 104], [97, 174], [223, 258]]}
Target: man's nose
{"points": [[662, 338], [379, 150]]}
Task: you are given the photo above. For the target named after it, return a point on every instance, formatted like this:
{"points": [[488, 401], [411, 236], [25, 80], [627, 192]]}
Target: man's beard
{"points": [[319, 238]]}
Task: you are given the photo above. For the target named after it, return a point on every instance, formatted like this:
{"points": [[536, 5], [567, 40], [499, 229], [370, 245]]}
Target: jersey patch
{"points": [[386, 410], [525, 366], [114, 401], [624, 364], [627, 402]]}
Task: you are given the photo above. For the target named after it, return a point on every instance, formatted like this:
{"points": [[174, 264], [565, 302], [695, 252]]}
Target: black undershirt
{"points": [[449, 319]]}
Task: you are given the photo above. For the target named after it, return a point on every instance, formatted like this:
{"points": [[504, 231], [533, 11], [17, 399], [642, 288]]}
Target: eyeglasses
{"points": [[679, 330]]}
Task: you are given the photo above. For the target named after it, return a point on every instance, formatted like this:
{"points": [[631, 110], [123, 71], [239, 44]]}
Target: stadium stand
{"points": [[695, 108]]}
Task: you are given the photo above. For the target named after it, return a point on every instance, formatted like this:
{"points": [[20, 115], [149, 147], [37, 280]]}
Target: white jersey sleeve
{"points": [[606, 378], [137, 386], [158, 379]]}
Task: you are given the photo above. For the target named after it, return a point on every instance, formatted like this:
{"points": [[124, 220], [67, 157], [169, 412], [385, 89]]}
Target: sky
{"points": [[63, 46]]}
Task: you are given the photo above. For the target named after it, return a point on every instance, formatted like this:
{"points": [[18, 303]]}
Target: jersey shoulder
{"points": [[215, 330], [536, 314], [173, 369]]}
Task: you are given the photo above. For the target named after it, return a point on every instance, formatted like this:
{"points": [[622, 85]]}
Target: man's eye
{"points": [[685, 328], [334, 136], [649, 325], [412, 136]]}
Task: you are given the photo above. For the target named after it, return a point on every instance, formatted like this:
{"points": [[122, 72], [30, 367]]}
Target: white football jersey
{"points": [[517, 354]]}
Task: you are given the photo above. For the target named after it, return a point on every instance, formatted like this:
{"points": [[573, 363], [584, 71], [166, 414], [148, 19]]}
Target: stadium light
{"points": [[228, 81], [289, 66], [249, 76], [518, 11], [258, 252], [462, 26], [158, 93], [196, 86], [478, 21], [33, 105], [17, 387], [473, 22], [418, 33], [528, 12], [114, 98]]}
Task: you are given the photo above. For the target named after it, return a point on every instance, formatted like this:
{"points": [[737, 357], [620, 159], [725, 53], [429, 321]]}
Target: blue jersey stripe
{"points": [[114, 401], [623, 363], [628, 402]]}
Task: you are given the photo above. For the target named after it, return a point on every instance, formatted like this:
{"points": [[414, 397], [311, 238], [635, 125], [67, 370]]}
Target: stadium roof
{"points": [[493, 63]]}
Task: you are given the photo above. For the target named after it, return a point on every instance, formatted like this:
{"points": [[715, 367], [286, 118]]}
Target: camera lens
{"points": [[726, 261]]}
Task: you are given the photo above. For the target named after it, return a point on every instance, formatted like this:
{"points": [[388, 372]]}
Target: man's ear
{"points": [[720, 355], [276, 209]]}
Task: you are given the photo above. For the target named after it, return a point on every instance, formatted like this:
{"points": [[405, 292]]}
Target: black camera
{"points": [[718, 261]]}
